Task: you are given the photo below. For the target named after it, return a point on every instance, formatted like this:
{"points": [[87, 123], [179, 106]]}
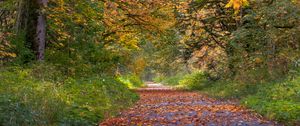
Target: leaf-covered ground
{"points": [[165, 106]]}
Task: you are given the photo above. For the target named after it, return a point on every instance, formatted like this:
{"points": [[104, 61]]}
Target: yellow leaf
{"points": [[61, 44], [13, 55], [237, 4], [246, 3], [72, 49], [258, 60], [229, 4]]}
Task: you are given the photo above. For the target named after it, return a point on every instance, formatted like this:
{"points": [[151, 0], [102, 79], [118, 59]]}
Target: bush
{"points": [[173, 81], [27, 100], [131, 80], [229, 89], [94, 99], [280, 101], [196, 80], [158, 79]]}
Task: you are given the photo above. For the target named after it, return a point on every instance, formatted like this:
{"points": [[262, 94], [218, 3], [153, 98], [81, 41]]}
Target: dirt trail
{"points": [[163, 106]]}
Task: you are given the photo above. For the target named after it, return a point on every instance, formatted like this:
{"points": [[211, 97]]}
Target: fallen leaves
{"points": [[175, 107]]}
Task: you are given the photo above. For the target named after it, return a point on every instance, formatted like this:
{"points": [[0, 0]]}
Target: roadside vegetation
{"points": [[41, 95]]}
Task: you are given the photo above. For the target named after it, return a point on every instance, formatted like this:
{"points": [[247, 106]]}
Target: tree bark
{"points": [[41, 31]]}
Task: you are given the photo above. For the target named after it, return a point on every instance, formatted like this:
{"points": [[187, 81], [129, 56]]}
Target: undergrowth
{"points": [[131, 80], [171, 80], [28, 97]]}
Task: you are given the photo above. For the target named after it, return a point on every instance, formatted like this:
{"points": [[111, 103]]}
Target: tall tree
{"points": [[41, 30]]}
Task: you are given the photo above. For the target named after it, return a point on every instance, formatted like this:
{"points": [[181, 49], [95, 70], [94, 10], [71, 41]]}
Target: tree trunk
{"points": [[41, 31]]}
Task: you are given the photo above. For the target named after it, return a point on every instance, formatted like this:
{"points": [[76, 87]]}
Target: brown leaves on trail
{"points": [[173, 108]]}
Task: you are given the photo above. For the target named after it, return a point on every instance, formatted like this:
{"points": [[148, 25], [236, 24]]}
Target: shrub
{"points": [[131, 80], [158, 79], [196, 80], [277, 100], [173, 80], [94, 99]]}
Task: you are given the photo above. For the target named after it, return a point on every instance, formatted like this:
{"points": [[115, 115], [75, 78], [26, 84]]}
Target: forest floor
{"points": [[160, 105]]}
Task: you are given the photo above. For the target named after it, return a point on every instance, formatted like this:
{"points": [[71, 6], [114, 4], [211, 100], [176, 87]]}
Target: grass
{"points": [[31, 98]]}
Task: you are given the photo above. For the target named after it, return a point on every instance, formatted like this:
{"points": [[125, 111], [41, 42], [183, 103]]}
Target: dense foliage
{"points": [[79, 58]]}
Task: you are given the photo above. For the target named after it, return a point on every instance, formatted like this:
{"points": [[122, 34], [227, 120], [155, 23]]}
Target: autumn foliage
{"points": [[236, 48]]}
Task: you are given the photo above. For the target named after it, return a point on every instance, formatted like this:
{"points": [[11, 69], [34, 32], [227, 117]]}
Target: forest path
{"points": [[163, 106]]}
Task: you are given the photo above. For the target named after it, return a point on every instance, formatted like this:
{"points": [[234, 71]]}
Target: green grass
{"points": [[31, 98]]}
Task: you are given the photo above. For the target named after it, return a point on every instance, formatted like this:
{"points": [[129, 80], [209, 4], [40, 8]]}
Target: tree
{"points": [[41, 30], [29, 16]]}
